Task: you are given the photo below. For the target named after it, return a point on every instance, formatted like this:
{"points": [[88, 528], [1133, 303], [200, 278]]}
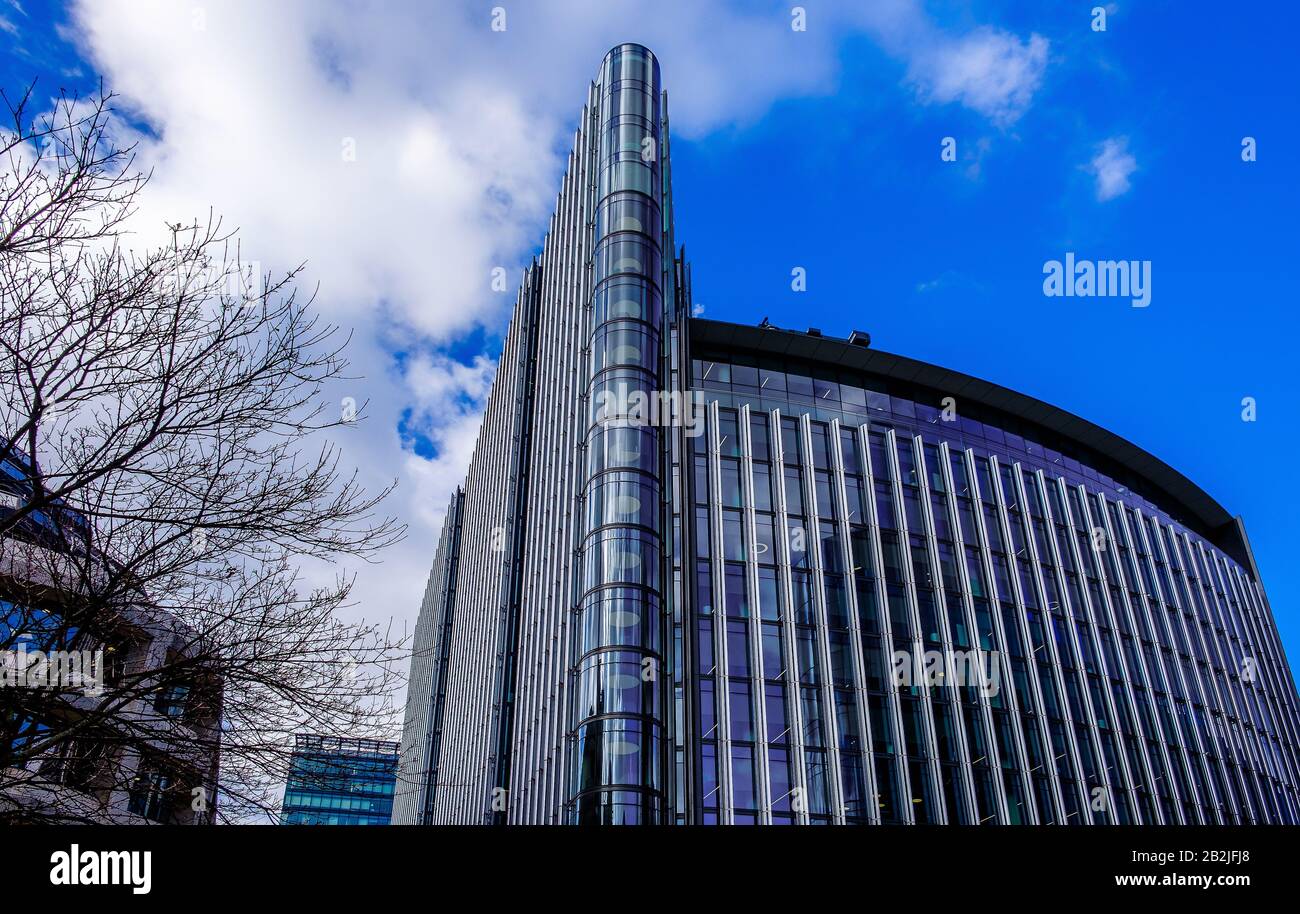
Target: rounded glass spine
{"points": [[618, 715]]}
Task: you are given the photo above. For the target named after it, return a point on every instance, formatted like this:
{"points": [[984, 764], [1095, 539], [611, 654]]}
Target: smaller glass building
{"points": [[339, 781]]}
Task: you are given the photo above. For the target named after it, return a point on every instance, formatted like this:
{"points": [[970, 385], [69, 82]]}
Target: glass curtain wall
{"points": [[1130, 676], [619, 756]]}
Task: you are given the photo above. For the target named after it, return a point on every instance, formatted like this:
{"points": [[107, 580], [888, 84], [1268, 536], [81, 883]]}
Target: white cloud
{"points": [[447, 398], [989, 70], [1111, 166], [992, 72], [459, 135], [7, 24]]}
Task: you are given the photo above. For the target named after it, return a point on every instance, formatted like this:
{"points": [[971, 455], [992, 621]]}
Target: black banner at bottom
{"points": [[227, 863]]}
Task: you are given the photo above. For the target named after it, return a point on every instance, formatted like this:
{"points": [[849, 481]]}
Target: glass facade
{"points": [[859, 589], [618, 729], [843, 532], [338, 781]]}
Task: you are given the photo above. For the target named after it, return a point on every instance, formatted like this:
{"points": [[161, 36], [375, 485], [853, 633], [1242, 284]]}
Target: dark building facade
{"points": [[155, 758], [711, 573], [339, 781]]}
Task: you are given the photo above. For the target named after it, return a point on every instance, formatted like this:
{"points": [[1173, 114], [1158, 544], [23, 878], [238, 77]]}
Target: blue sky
{"points": [[833, 164]]}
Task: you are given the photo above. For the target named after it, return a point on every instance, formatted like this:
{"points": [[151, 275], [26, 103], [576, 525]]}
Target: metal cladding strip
{"points": [[1261, 745], [686, 638], [1177, 598], [1244, 727], [1260, 599], [548, 552], [999, 642], [1129, 694], [943, 612], [1055, 616], [1050, 556], [678, 508], [1112, 586], [1090, 614], [1208, 684], [463, 780], [798, 763], [1279, 699], [927, 750], [521, 793], [676, 503], [966, 809], [448, 602], [1032, 668], [422, 732], [892, 710], [1198, 768], [1057, 680], [876, 584], [1275, 686], [983, 704], [758, 674], [503, 754], [1028, 707], [858, 657], [1228, 732], [826, 689], [413, 774], [718, 619], [1146, 597], [1146, 682]]}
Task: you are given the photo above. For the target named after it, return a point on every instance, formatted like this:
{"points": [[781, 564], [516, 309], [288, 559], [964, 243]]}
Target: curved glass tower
{"points": [[852, 588], [618, 727]]}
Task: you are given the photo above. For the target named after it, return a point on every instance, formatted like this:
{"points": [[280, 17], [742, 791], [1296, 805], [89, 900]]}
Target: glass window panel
{"points": [[742, 711]]}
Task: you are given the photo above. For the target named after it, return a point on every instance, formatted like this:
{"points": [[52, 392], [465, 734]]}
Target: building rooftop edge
{"points": [[1205, 509]]}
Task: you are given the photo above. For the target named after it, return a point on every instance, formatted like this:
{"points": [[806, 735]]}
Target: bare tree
{"points": [[167, 474]]}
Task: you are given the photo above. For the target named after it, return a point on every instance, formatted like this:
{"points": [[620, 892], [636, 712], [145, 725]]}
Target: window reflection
{"points": [[622, 498], [628, 212], [615, 447], [626, 253], [635, 175], [625, 345], [617, 616], [619, 555], [626, 297], [613, 683], [617, 751]]}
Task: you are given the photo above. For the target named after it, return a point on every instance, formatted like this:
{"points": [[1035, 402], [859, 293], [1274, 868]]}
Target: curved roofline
{"points": [[1212, 516], [628, 44]]}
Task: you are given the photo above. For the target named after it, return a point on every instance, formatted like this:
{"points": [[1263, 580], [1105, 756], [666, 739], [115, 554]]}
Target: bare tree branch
{"points": [[168, 470]]}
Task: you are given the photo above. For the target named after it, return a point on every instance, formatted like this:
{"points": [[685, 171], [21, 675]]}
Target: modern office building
{"points": [[339, 781], [851, 587]]}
